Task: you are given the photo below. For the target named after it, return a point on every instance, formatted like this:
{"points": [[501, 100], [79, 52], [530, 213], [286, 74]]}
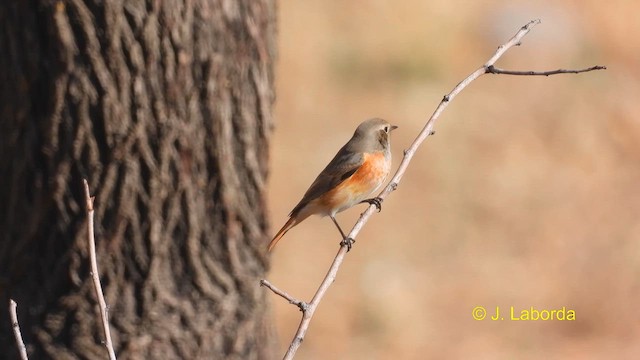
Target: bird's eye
{"points": [[386, 129]]}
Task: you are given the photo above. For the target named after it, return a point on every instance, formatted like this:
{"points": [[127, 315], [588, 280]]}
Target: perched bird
{"points": [[358, 169]]}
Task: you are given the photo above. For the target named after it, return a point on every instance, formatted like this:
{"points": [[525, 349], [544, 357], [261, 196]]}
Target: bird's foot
{"points": [[377, 201], [348, 242]]}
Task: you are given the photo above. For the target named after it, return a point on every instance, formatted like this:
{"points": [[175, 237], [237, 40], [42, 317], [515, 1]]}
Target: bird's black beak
{"points": [[393, 127]]}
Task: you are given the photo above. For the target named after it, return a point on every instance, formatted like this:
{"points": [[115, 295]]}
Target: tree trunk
{"points": [[165, 107]]}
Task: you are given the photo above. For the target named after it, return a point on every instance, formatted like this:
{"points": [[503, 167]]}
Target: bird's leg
{"points": [[345, 240], [377, 201]]}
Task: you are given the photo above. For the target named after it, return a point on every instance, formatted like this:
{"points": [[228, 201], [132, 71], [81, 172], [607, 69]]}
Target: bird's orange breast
{"points": [[360, 185]]}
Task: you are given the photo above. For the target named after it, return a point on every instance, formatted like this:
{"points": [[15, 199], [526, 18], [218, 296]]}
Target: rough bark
{"points": [[165, 107]]}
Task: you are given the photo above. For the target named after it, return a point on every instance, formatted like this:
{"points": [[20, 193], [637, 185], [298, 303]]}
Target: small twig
{"points": [[494, 70], [393, 184], [300, 304], [324, 286], [94, 274], [13, 314]]}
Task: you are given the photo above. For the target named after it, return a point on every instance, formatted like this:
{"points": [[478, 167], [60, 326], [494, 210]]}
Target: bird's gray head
{"points": [[372, 134]]}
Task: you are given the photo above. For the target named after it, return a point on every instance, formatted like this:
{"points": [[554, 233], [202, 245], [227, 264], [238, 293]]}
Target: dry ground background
{"points": [[528, 195]]}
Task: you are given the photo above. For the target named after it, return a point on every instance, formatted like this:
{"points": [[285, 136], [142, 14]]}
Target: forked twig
{"points": [[488, 67], [104, 311], [293, 301]]}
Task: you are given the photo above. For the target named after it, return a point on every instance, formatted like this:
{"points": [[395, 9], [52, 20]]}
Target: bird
{"points": [[358, 169]]}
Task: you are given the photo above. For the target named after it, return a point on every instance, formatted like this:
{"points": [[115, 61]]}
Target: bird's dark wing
{"points": [[343, 165]]}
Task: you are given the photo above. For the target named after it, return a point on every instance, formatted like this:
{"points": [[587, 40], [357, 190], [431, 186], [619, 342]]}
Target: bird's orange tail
{"points": [[293, 221]]}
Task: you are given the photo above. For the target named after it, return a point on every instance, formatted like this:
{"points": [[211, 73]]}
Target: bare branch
{"points": [[494, 70], [324, 286], [13, 314], [300, 304], [95, 274], [393, 184]]}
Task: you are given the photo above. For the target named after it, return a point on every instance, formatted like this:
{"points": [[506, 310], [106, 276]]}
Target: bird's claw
{"points": [[377, 201], [348, 242]]}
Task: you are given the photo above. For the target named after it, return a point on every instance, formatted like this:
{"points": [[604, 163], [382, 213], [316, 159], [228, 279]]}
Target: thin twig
{"points": [[427, 130], [13, 314], [494, 70], [95, 275], [300, 304]]}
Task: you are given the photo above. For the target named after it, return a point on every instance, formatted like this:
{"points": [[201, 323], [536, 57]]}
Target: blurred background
{"points": [[528, 194]]}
